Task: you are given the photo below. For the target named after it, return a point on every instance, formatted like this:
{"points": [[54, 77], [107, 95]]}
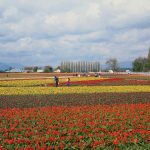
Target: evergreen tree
{"points": [[147, 65], [139, 64]]}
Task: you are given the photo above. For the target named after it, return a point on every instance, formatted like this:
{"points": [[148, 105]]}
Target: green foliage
{"points": [[141, 64], [147, 66], [48, 69], [66, 70], [35, 69]]}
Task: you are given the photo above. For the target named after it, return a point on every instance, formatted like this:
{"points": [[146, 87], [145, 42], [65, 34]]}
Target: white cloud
{"points": [[76, 30], [8, 13]]}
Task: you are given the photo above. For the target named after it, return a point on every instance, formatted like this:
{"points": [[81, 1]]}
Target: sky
{"points": [[46, 32]]}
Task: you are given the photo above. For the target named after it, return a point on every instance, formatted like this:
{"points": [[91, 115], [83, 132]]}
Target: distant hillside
{"points": [[125, 64], [4, 66]]}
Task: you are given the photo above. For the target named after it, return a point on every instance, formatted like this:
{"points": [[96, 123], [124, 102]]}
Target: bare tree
{"points": [[112, 63]]}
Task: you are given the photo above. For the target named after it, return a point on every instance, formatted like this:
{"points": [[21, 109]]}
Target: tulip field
{"points": [[110, 112]]}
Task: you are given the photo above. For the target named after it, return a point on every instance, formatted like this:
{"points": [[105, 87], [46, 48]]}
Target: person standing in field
{"points": [[56, 81], [68, 82]]}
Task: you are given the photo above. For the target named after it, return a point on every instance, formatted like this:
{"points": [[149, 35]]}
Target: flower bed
{"points": [[43, 82], [36, 116], [87, 127], [69, 90], [80, 99]]}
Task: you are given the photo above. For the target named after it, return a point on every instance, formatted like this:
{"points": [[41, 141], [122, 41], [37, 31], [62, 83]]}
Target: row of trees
{"points": [[80, 66], [140, 64], [36, 68]]}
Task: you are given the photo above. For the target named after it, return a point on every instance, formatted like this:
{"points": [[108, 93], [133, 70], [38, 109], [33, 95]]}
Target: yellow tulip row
{"points": [[23, 83], [69, 90]]}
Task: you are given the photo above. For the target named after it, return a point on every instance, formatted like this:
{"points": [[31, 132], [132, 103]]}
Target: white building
{"points": [[40, 70], [57, 70]]}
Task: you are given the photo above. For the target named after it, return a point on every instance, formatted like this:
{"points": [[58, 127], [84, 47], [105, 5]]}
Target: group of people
{"points": [[56, 79]]}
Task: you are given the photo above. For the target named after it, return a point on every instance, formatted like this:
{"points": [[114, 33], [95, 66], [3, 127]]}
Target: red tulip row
{"points": [[127, 82], [86, 127], [91, 82], [94, 82], [110, 81]]}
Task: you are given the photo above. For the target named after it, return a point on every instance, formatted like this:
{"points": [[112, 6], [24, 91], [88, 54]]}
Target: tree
{"points": [[48, 69], [148, 57], [139, 64], [147, 65], [28, 69], [66, 70], [35, 68], [112, 63]]}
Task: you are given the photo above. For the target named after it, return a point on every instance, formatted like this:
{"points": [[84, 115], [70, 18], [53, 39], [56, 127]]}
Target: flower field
{"points": [[37, 82], [76, 127], [86, 115], [83, 81], [76, 89], [74, 99]]}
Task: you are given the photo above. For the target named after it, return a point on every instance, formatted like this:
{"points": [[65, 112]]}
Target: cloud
{"points": [[48, 32]]}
